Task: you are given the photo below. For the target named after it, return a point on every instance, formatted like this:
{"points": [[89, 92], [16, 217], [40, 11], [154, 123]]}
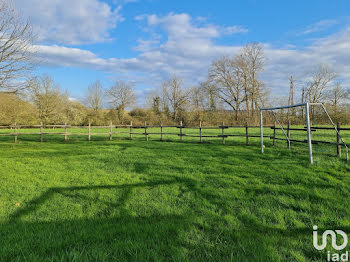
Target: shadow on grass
{"points": [[174, 236], [130, 237], [121, 238]]}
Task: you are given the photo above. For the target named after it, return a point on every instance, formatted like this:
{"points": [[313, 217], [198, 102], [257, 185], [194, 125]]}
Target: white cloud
{"points": [[333, 50], [147, 45], [55, 55], [182, 25], [230, 30], [70, 22], [319, 26], [189, 49]]}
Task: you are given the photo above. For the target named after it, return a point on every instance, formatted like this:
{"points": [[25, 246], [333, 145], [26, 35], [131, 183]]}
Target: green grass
{"points": [[127, 200]]}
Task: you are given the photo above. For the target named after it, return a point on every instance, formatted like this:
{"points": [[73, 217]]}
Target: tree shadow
{"points": [[126, 235], [112, 238]]}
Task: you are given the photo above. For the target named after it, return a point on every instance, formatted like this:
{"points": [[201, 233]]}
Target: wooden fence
{"points": [[337, 142], [131, 132], [181, 128]]}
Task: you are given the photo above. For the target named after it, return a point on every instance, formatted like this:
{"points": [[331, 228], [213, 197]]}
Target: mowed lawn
{"points": [[125, 200]]}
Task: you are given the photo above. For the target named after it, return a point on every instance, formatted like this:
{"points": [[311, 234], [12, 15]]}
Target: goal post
{"points": [[308, 125]]}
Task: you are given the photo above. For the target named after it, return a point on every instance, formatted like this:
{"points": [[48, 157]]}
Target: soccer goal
{"points": [[306, 111]]}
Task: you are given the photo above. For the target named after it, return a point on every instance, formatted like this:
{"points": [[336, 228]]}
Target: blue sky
{"points": [[146, 41]]}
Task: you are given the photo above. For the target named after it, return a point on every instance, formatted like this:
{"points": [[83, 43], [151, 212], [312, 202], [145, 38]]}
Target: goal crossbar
{"points": [[308, 125]]}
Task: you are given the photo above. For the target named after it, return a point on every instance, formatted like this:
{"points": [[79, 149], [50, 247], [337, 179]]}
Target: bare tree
{"points": [[253, 58], [236, 80], [197, 103], [175, 97], [336, 96], [16, 48], [95, 96], [211, 95], [95, 99], [121, 95], [318, 84], [47, 98], [241, 63], [197, 98], [228, 80]]}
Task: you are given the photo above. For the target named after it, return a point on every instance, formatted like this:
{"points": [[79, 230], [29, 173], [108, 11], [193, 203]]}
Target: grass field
{"points": [[127, 200]]}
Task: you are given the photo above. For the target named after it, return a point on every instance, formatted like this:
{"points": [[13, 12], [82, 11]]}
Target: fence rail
{"points": [[16, 131], [223, 135]]}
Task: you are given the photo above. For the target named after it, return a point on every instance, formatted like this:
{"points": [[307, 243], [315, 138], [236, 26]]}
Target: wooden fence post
{"points": [[110, 131], [130, 130], [338, 141], [288, 135], [41, 132], [274, 134], [15, 132], [181, 131], [246, 134], [223, 133], [89, 132], [65, 131], [200, 131], [146, 135], [161, 131]]}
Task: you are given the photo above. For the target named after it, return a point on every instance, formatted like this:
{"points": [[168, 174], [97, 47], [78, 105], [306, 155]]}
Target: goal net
{"points": [[304, 113]]}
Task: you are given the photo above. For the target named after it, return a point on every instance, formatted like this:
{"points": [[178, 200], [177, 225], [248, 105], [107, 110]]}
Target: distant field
{"points": [[125, 200]]}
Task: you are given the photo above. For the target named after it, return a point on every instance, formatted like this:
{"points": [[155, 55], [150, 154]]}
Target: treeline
{"points": [[232, 94], [233, 91]]}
